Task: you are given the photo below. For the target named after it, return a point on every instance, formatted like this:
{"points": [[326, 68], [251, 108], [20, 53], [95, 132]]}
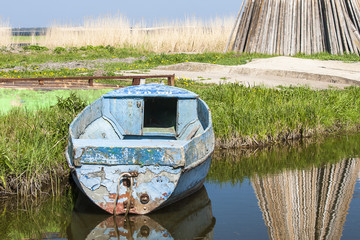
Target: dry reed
{"points": [[5, 34], [189, 35]]}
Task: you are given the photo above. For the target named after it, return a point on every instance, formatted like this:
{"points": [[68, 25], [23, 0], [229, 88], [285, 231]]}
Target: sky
{"points": [[44, 13]]}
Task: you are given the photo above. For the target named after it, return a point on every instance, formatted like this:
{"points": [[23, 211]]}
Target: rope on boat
{"points": [[117, 192], [129, 199], [126, 220]]}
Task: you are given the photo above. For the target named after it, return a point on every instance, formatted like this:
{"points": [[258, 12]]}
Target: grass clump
{"points": [[32, 145], [35, 48], [245, 116], [328, 56], [31, 56]]}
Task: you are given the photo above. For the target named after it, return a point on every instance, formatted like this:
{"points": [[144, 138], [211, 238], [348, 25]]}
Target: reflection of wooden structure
{"points": [[307, 204], [288, 27]]}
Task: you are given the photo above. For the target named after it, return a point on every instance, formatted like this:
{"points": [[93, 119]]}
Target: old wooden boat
{"points": [[139, 148]]}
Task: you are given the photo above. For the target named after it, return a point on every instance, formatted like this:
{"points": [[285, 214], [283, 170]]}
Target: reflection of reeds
{"points": [[190, 35], [307, 204], [236, 165], [5, 34], [36, 218]]}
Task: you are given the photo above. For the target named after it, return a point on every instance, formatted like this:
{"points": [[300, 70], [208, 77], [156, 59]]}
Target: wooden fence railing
{"points": [[135, 79]]}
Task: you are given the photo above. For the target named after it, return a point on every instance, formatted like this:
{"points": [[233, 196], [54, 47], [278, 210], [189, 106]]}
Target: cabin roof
{"points": [[151, 90]]}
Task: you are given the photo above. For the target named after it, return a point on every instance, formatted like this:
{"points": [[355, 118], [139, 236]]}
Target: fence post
{"points": [[91, 82], [136, 81], [171, 80]]}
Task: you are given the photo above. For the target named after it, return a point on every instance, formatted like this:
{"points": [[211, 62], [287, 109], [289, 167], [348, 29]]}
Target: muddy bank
{"points": [[298, 135]]}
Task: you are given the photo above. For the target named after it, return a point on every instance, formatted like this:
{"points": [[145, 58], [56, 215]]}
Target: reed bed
{"points": [[189, 35], [32, 147], [257, 116], [5, 34]]}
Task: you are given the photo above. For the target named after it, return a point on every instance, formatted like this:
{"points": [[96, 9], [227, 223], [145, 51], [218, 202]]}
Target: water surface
{"points": [[300, 191]]}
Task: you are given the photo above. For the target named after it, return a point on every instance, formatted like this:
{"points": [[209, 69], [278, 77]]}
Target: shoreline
{"points": [[63, 180], [263, 117], [243, 116]]}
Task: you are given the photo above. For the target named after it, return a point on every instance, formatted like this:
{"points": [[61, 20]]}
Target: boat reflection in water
{"points": [[307, 204], [190, 218]]}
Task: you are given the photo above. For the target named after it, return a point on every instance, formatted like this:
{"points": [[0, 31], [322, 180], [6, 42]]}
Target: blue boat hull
{"points": [[138, 149], [164, 191]]}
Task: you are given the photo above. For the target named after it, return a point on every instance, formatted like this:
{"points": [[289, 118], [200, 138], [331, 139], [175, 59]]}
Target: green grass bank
{"points": [[250, 116], [32, 147], [32, 140], [33, 61]]}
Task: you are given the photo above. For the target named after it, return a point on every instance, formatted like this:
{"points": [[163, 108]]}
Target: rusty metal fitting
{"points": [[144, 198], [126, 182], [145, 231], [126, 204]]}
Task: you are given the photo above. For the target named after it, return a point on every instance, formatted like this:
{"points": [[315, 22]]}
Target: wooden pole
{"points": [[287, 27], [235, 24]]}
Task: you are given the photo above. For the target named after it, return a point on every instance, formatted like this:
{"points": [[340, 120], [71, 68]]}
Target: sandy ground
{"points": [[271, 72]]}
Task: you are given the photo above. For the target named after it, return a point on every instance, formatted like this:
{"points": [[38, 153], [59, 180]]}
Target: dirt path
{"points": [[271, 72]]}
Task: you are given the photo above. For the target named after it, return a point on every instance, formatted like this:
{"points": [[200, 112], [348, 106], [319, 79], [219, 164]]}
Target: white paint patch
{"points": [[156, 188], [90, 183]]}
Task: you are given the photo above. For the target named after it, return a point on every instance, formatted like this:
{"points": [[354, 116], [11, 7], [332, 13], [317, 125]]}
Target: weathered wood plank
{"points": [[287, 27]]}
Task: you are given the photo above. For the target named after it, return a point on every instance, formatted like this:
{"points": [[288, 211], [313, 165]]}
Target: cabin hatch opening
{"points": [[160, 115]]}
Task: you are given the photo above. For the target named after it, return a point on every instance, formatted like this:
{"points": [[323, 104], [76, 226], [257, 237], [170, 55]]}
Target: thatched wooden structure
{"points": [[287, 27]]}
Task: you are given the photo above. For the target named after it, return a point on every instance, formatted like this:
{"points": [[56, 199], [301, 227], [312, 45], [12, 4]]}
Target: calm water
{"points": [[307, 191]]}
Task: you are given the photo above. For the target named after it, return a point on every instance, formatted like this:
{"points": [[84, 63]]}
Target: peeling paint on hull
{"points": [[101, 184], [163, 186]]}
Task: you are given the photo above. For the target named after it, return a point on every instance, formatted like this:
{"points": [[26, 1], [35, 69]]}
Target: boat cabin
{"points": [[150, 111]]}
